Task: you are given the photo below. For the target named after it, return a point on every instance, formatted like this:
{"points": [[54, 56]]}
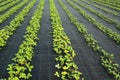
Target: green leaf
{"points": [[57, 74], [22, 75]]}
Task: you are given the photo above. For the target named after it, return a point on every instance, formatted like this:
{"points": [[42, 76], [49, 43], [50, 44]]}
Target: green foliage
{"points": [[106, 58], [5, 2], [118, 26], [110, 6], [8, 30], [99, 14], [11, 11], [67, 69], [106, 10], [3, 8], [21, 67], [113, 35]]}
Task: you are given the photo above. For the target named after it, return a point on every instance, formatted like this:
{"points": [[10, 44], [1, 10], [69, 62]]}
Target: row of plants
{"points": [[113, 35], [99, 14], [117, 2], [1, 0], [3, 8], [5, 2], [106, 10], [12, 10], [8, 30], [118, 26], [21, 67], [66, 68], [109, 3], [102, 8], [88, 2], [102, 4], [107, 59]]}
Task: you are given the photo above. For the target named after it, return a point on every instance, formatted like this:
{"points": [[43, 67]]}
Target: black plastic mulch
{"points": [[87, 60], [105, 23], [10, 7], [105, 13], [8, 52], [105, 42], [44, 56], [9, 19]]}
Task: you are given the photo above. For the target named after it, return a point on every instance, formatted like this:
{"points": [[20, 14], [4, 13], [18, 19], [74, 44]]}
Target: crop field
{"points": [[59, 39]]}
